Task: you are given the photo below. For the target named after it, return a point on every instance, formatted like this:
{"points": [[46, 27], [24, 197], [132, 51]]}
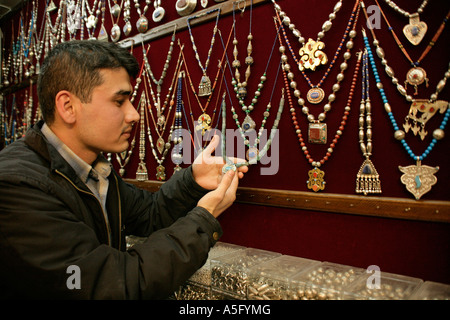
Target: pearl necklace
{"points": [[416, 29], [418, 178], [421, 110], [311, 54]]}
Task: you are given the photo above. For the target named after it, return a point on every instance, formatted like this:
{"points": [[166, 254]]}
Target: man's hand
{"points": [[220, 199], [207, 169]]}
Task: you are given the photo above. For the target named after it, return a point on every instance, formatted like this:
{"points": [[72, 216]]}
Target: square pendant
{"points": [[317, 133]]}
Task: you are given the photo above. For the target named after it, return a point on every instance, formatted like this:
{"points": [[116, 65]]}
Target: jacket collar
{"points": [[36, 140]]}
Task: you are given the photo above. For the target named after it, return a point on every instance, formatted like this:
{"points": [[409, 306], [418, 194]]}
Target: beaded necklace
{"points": [[241, 87], [418, 178], [421, 110], [204, 120], [416, 75], [229, 164], [204, 88], [124, 157], [317, 129], [367, 179], [158, 82], [316, 176], [311, 54], [249, 124], [416, 29], [177, 157], [142, 22]]}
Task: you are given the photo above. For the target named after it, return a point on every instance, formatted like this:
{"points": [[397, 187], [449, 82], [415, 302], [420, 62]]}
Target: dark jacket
{"points": [[50, 220]]}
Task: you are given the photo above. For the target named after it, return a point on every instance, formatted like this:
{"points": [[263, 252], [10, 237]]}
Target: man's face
{"points": [[105, 123]]}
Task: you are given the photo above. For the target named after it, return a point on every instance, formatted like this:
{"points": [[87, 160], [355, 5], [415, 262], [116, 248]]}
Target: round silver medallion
{"points": [[416, 76], [158, 14]]}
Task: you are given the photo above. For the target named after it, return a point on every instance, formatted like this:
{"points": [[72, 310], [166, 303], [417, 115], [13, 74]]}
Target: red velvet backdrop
{"points": [[412, 248]]}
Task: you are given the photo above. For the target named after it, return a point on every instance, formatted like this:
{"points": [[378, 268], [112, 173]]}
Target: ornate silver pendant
{"points": [[127, 28], [248, 124], [415, 30], [204, 88], [317, 133], [418, 179], [142, 24]]}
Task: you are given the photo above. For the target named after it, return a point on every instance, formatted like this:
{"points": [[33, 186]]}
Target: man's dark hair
{"points": [[74, 66]]}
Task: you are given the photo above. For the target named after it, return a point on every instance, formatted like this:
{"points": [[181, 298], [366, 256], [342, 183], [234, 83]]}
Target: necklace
{"points": [[142, 22], [126, 18], [177, 157], [311, 54], [416, 29], [159, 82], [315, 94], [115, 11], [204, 88], [316, 180], [204, 121], [367, 179], [317, 130], [161, 123], [249, 124], [421, 110], [418, 178], [241, 87], [141, 173], [230, 165], [416, 75]]}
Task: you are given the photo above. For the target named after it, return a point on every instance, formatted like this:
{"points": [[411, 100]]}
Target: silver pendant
{"points": [[102, 35], [158, 14], [160, 144], [418, 179], [142, 24], [204, 88], [115, 10], [415, 30], [204, 3], [115, 33], [127, 28], [415, 77], [248, 124], [367, 179]]}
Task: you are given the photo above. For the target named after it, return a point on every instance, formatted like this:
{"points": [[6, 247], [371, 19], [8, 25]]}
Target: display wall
{"points": [[275, 209]]}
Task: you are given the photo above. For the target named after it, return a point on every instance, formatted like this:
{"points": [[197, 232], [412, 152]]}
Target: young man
{"points": [[64, 213]]}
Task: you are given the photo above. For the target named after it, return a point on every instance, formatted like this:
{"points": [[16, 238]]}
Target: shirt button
{"points": [[216, 236]]}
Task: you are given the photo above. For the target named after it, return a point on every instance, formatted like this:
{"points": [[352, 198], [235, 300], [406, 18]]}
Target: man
{"points": [[64, 213]]}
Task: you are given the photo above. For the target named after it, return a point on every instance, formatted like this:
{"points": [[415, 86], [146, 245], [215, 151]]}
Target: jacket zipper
{"points": [[120, 213], [108, 229]]}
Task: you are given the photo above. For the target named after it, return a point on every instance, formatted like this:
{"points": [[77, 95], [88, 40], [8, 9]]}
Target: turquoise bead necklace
{"points": [[418, 178]]}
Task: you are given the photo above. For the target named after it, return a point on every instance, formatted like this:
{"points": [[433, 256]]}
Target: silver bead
{"points": [[438, 134], [399, 135]]}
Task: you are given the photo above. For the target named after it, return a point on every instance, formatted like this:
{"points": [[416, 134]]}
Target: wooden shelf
{"points": [[384, 207]]}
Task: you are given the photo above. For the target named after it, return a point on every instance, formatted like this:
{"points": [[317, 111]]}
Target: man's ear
{"points": [[65, 105]]}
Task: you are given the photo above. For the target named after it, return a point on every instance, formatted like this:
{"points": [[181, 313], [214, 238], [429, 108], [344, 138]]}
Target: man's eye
{"points": [[120, 102]]}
